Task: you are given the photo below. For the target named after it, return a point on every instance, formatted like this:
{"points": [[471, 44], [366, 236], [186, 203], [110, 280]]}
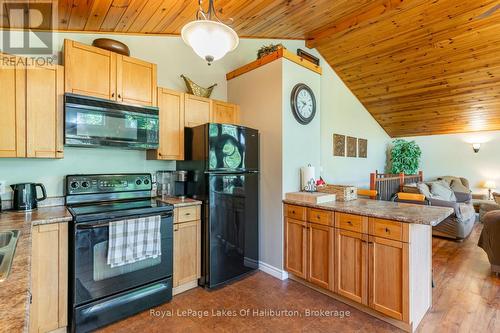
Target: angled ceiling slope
{"points": [[420, 67]]}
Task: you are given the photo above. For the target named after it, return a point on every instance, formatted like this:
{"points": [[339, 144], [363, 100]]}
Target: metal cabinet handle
{"points": [[318, 216], [112, 94], [349, 222], [119, 96], [387, 230]]}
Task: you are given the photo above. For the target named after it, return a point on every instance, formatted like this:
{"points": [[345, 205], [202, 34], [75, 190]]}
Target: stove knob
{"points": [[85, 184], [138, 182], [146, 182], [74, 185]]}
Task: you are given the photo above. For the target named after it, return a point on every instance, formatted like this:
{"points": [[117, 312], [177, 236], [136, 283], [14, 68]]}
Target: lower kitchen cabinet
{"points": [[351, 265], [187, 248], [309, 250], [320, 255], [49, 278], [389, 282], [366, 262], [296, 247]]}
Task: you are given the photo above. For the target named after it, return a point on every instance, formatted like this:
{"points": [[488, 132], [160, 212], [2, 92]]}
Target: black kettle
{"points": [[25, 197]]}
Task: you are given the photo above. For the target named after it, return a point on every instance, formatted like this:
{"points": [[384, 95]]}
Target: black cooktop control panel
{"points": [[94, 184]]}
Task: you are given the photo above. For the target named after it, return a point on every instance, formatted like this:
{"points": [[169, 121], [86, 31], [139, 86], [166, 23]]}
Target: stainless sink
{"points": [[8, 242], [5, 237]]}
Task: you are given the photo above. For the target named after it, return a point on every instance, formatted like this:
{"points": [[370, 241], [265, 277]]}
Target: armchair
{"points": [[489, 240]]}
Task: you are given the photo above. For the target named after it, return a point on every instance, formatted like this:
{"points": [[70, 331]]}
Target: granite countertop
{"points": [[397, 211], [14, 291], [176, 202]]}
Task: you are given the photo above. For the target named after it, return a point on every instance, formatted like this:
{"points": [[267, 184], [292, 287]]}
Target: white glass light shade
{"points": [[210, 40], [490, 184]]}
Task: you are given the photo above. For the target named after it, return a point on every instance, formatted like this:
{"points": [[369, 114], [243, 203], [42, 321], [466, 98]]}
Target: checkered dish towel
{"points": [[134, 240]]}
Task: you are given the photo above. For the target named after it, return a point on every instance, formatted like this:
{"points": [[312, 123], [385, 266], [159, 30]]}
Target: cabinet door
{"points": [[171, 105], [136, 81], [187, 252], [12, 107], [296, 247], [226, 113], [89, 70], [44, 111], [388, 283], [320, 255], [49, 277], [351, 265], [198, 110]]}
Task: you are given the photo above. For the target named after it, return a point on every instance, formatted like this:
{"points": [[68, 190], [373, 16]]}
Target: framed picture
{"points": [[338, 145], [352, 146], [362, 148]]}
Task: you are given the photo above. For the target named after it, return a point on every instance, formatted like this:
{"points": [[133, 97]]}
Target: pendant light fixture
{"points": [[208, 36]]}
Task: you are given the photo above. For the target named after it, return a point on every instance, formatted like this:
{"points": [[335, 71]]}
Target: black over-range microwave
{"points": [[96, 122]]}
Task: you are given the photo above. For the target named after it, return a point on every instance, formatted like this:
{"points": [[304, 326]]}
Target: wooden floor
{"points": [[466, 299]]}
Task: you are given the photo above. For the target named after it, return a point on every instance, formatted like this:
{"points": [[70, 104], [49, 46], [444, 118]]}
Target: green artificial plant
{"points": [[405, 157]]}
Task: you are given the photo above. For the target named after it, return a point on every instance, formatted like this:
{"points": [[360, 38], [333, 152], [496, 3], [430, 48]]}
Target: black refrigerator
{"points": [[223, 171]]}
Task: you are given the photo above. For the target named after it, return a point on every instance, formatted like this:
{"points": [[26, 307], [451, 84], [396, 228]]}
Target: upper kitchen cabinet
{"points": [[226, 113], [171, 132], [31, 122], [198, 110], [89, 70], [92, 71], [136, 81], [44, 111], [12, 107]]}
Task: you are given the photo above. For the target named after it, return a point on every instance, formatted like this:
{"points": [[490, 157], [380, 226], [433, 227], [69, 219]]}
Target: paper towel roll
{"points": [[307, 173]]}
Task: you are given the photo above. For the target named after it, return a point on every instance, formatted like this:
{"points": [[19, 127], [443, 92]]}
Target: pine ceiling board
{"points": [[165, 20], [133, 10], [115, 13], [97, 15], [186, 15], [63, 13], [80, 12], [145, 14]]}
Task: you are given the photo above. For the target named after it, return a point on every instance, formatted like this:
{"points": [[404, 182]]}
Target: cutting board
{"points": [[310, 197]]}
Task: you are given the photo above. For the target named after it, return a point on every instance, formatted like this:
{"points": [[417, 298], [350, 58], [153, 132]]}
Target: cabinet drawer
{"points": [[296, 212], [185, 214], [388, 229], [320, 216], [351, 222]]}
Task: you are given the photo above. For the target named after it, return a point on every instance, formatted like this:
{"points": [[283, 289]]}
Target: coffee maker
{"points": [[172, 183]]}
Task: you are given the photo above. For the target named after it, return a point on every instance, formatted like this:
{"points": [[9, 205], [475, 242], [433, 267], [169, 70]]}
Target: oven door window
{"points": [[104, 271], [95, 279]]}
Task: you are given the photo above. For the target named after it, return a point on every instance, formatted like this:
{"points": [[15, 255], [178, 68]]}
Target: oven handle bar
{"points": [[105, 223]]}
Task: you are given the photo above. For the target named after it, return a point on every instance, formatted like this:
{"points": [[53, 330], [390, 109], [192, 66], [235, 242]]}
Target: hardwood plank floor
{"points": [[466, 299]]}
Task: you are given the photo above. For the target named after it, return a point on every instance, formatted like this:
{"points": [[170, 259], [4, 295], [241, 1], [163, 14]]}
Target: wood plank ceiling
{"points": [[420, 67]]}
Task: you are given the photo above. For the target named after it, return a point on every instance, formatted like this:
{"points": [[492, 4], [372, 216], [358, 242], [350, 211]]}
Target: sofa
{"points": [[489, 240], [489, 205], [451, 192]]}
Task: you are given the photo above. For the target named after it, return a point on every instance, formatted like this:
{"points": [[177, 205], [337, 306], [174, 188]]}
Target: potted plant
{"points": [[405, 157]]}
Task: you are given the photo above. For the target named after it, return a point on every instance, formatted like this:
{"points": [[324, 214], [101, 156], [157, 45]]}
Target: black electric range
{"points": [[98, 293]]}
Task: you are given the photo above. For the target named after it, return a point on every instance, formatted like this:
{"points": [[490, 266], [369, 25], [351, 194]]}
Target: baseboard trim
{"points": [[273, 271]]}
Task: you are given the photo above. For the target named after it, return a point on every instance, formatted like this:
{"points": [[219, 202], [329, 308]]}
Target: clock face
{"points": [[303, 103]]}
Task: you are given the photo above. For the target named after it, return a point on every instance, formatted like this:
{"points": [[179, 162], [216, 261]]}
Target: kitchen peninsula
{"points": [[373, 255]]}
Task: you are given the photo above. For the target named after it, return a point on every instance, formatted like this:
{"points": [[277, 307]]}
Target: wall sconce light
{"points": [[476, 147]]}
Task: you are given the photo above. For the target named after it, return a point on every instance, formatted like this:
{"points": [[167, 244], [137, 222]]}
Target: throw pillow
{"points": [[440, 190], [425, 190], [457, 186]]}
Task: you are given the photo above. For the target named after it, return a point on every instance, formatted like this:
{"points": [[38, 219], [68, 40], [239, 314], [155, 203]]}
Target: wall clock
{"points": [[303, 103]]}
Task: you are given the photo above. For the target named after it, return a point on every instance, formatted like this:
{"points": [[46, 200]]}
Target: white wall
{"points": [[301, 143], [344, 114], [452, 155], [261, 106]]}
